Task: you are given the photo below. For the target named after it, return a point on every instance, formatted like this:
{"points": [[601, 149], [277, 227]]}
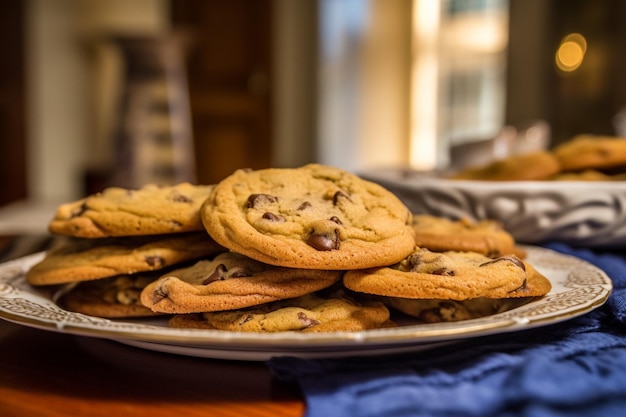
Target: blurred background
{"points": [[124, 92]]}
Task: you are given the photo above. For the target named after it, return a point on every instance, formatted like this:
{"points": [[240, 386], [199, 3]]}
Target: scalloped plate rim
{"points": [[575, 298]]}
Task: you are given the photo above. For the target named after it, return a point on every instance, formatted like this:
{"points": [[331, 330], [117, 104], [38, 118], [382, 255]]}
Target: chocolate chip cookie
{"points": [[591, 152], [231, 281], [315, 217], [440, 234], [87, 259], [309, 313], [115, 297], [442, 275], [438, 310], [116, 211], [539, 165]]}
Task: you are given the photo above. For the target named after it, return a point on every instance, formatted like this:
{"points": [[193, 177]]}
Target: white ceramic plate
{"points": [[577, 288], [583, 213]]}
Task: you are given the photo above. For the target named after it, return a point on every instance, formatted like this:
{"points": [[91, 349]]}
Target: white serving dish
{"points": [[580, 213]]}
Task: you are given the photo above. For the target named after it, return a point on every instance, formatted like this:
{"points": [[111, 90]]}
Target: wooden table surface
{"points": [[45, 374]]}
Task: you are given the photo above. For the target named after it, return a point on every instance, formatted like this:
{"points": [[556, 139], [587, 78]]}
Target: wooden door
{"points": [[229, 77], [13, 181]]}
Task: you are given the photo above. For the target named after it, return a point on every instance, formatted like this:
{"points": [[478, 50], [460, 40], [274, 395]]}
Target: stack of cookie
{"points": [[582, 158], [356, 241], [291, 234], [459, 270], [308, 249], [115, 242]]}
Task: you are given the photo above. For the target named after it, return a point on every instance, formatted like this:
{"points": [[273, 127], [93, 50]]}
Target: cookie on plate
{"points": [[87, 259], [440, 234], [442, 275], [591, 152], [315, 217], [308, 313], [231, 281], [438, 310], [150, 210], [539, 165], [115, 297]]}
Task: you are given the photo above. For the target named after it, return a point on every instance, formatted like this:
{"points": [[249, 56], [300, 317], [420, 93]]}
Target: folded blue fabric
{"points": [[575, 368]]}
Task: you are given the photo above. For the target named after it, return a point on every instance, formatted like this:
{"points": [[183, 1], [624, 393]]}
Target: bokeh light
{"points": [[571, 52]]}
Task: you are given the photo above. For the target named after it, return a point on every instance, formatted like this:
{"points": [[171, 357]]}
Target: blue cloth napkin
{"points": [[575, 368]]}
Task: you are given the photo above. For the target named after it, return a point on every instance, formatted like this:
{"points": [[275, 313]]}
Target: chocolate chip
{"points": [[304, 206], [340, 194], [307, 321], [181, 198], [256, 199], [80, 210], [521, 287], [221, 273], [443, 271], [158, 295], [216, 275], [273, 217], [336, 219], [413, 261], [324, 242], [155, 261], [510, 258]]}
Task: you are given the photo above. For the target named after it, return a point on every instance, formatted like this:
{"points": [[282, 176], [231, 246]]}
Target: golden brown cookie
{"points": [[539, 165], [585, 175], [591, 152], [151, 210], [536, 284], [87, 259], [438, 310], [442, 275], [231, 281], [308, 313], [314, 217], [440, 234], [114, 297]]}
